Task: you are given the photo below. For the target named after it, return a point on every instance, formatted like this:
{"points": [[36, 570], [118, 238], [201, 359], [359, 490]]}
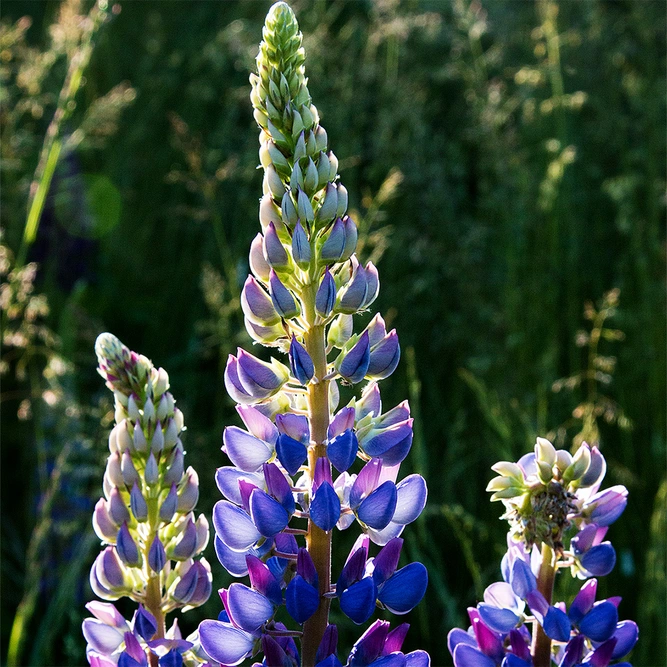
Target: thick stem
{"points": [[153, 601], [317, 540], [541, 649]]}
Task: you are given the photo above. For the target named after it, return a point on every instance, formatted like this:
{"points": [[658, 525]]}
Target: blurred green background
{"points": [[506, 164]]}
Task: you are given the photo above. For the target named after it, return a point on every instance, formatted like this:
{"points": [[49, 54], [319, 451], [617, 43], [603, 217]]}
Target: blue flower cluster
{"points": [[300, 465], [552, 498]]}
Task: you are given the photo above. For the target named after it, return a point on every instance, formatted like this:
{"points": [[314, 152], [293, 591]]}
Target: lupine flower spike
{"points": [[147, 522], [558, 519], [301, 468]]}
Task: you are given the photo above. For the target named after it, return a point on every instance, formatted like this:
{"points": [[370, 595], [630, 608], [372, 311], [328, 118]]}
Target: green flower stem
{"points": [[317, 540], [541, 649], [153, 589]]}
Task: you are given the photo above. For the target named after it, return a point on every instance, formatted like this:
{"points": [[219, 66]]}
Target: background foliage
{"points": [[505, 161]]}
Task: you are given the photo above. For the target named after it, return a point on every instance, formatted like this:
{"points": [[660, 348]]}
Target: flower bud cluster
{"points": [[558, 518], [146, 515], [301, 458]]}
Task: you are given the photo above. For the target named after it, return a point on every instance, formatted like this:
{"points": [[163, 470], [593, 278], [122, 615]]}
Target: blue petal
{"points": [[331, 661], [267, 513], [233, 561], [391, 660], [557, 625], [325, 507], [522, 579], [224, 643], [599, 560], [325, 299], [468, 656], [458, 636], [245, 450], [301, 599], [411, 499], [511, 660], [145, 623], [342, 450], [499, 620], [378, 508], [358, 601], [600, 622], [234, 527], [247, 608], [171, 659], [418, 658], [626, 637], [300, 362], [354, 365], [126, 660], [404, 589], [291, 453]]}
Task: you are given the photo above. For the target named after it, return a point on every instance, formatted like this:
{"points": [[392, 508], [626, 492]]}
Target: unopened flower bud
{"points": [[257, 305], [117, 507], [340, 331], [170, 433], [187, 544], [385, 356], [274, 251], [301, 363], [151, 473], [321, 138], [325, 299], [563, 460], [133, 409], [157, 557], [268, 211], [157, 441], [140, 443], [175, 469], [354, 364], [202, 533], [123, 438], [283, 301], [104, 526], [127, 548], [327, 210], [276, 156], [169, 504], [304, 207], [310, 178], [130, 474], [162, 409], [580, 462], [258, 264], [188, 495], [323, 167], [289, 211], [114, 471], [296, 179], [545, 451], [342, 200], [333, 165], [300, 148], [109, 570], [273, 182], [351, 235], [544, 472], [333, 248], [138, 504], [161, 383], [300, 246], [509, 469]]}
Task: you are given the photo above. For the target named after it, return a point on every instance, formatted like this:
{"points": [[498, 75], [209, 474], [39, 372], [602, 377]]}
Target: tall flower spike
{"points": [[146, 518], [307, 286]]}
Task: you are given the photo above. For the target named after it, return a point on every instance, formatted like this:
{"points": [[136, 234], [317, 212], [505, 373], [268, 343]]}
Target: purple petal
{"points": [[295, 426], [372, 285], [607, 506], [233, 526], [602, 655], [333, 248], [583, 601], [328, 644], [599, 623], [343, 421], [369, 646], [278, 486], [224, 643], [574, 652], [404, 589], [300, 246], [257, 305], [233, 561], [306, 568], [386, 562], [283, 300], [501, 595], [233, 384], [417, 658], [596, 469], [387, 438], [268, 515], [358, 601], [263, 580], [258, 378], [274, 252], [378, 508], [127, 548], [365, 482], [488, 641], [145, 623], [227, 478], [395, 639], [410, 500]]}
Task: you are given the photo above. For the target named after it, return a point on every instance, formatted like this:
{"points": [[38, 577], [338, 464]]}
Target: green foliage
{"points": [[505, 163]]}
